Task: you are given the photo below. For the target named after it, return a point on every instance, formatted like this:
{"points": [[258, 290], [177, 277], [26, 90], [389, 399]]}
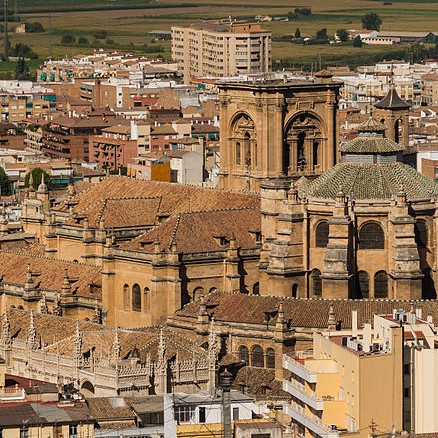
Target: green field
{"points": [[127, 23]]}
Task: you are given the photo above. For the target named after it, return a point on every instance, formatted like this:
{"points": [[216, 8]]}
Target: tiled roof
{"points": [[175, 198], [370, 181], [110, 408], [307, 313], [392, 101], [51, 329], [123, 212], [371, 145], [58, 336], [371, 125], [202, 231], [48, 273], [260, 383]]}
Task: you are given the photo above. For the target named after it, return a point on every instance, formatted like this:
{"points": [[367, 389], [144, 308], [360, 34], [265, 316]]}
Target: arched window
{"points": [[255, 289], [270, 358], [316, 282], [247, 149], [136, 297], [371, 236], [381, 285], [198, 293], [257, 358], [238, 153], [294, 290], [301, 156], [147, 299], [421, 233], [126, 297], [213, 289], [363, 284], [315, 153], [322, 234], [244, 354]]}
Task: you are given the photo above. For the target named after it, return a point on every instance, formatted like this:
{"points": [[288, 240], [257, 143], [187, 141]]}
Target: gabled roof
{"points": [[203, 231], [48, 273]]}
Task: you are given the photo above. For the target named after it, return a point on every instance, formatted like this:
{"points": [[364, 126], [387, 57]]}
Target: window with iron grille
{"points": [[381, 285], [322, 234], [363, 282], [371, 236], [316, 282]]}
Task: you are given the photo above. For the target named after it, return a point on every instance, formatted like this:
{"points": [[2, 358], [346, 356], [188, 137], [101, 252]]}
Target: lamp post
{"points": [[225, 382]]}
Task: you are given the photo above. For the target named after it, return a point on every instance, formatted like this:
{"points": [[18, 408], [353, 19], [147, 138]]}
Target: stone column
{"points": [[336, 276]]}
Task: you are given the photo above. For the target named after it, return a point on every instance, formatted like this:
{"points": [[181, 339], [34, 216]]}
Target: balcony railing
{"points": [[299, 369], [313, 423], [300, 393]]}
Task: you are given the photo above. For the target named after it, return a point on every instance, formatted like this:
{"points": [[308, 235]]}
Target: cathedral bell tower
{"points": [[277, 130]]}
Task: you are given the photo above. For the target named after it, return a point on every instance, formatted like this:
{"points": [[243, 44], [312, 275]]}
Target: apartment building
{"points": [[349, 382], [221, 49], [380, 376]]}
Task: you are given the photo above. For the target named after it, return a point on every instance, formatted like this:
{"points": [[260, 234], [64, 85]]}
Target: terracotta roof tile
{"points": [[307, 313], [48, 273], [203, 231]]}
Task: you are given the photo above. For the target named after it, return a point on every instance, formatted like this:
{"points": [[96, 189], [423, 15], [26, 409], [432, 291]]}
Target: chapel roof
{"points": [[227, 307], [48, 273], [381, 181], [371, 145], [208, 227]]}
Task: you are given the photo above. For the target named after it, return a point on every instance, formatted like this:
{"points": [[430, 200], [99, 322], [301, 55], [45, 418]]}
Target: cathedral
{"points": [[338, 221]]}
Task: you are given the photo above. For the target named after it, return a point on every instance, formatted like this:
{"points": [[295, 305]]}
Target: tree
{"points": [[303, 11], [34, 27], [82, 40], [22, 72], [68, 39], [357, 42], [371, 21], [5, 183], [297, 33], [342, 34], [100, 34], [37, 175], [24, 51], [321, 35]]}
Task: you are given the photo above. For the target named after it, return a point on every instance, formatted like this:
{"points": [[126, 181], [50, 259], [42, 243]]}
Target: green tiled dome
{"points": [[370, 181], [371, 145]]}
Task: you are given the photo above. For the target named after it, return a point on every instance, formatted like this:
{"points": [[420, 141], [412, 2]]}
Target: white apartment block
{"points": [[218, 49]]}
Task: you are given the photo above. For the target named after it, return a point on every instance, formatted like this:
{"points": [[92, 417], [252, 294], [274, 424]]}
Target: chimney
{"points": [[354, 323], [419, 313], [366, 340]]}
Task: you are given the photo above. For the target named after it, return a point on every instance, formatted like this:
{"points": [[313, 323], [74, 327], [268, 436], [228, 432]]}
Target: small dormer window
{"points": [[221, 240]]}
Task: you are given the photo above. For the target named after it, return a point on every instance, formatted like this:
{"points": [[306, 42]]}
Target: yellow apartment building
{"points": [[348, 384]]}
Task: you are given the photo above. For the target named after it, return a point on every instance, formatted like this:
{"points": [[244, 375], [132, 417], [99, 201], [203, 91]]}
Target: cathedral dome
{"points": [[381, 181]]}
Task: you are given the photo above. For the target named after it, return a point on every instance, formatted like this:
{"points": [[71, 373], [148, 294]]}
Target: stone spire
{"points": [[280, 325], [115, 349], [97, 317], [78, 344], [202, 313], [213, 344], [5, 338], [28, 283], [66, 286], [31, 190], [331, 325], [42, 305], [161, 348], [31, 334], [57, 309]]}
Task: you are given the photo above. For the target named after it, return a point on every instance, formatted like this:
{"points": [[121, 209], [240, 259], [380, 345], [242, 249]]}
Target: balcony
{"points": [[299, 392], [299, 369], [313, 423]]}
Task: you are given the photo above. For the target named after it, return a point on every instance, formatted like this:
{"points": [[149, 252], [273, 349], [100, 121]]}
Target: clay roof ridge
{"points": [[219, 210], [102, 210], [39, 256], [174, 231]]}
